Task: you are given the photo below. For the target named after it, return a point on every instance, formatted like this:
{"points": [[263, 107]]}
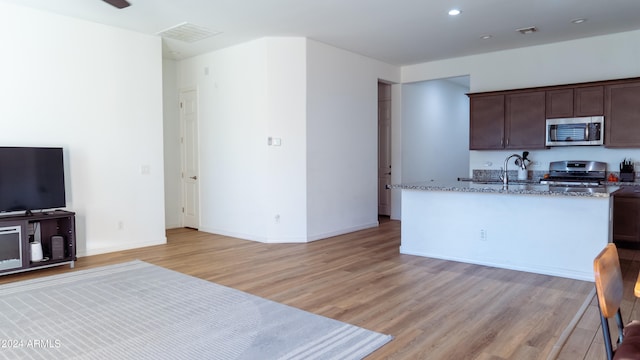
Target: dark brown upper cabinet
{"points": [[588, 101], [622, 115], [511, 121], [486, 122], [559, 103], [525, 120], [575, 102], [515, 119]]}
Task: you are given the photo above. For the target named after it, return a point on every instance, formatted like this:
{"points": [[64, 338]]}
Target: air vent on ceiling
{"points": [[527, 30], [188, 32]]}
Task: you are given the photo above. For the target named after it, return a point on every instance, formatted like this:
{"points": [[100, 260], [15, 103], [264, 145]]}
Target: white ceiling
{"points": [[399, 32]]}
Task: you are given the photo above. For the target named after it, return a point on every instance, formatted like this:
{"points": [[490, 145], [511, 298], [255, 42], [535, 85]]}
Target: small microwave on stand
{"points": [[575, 131]]}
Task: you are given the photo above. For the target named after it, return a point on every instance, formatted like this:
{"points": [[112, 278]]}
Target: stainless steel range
{"points": [[577, 175]]}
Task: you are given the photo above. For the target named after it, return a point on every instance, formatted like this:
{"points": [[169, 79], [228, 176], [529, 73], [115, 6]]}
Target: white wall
{"points": [[248, 93], [172, 155], [342, 139], [591, 59], [321, 103], [396, 149], [511, 231], [435, 128], [233, 128], [96, 91], [286, 97]]}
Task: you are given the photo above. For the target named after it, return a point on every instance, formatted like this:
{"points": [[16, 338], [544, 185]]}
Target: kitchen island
{"points": [[527, 227]]}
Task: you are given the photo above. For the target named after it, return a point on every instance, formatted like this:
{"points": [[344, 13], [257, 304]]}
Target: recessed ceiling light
{"points": [[486, 37], [578, 21], [454, 12]]}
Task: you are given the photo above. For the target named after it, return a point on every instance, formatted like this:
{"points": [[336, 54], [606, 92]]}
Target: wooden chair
{"points": [[608, 278]]}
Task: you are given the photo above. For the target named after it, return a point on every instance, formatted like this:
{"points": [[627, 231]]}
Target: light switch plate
{"points": [[271, 141]]}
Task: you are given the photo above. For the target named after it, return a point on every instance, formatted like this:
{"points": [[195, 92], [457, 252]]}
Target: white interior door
{"points": [[190, 174], [384, 148]]}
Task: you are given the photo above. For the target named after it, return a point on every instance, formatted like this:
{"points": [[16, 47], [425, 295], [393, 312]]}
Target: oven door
{"points": [[575, 131], [578, 189]]}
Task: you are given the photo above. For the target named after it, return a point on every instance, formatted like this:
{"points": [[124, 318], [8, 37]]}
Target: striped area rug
{"points": [[136, 310]]}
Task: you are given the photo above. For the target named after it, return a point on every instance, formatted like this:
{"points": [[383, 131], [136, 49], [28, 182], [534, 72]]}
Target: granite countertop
{"points": [[526, 187], [622, 183]]}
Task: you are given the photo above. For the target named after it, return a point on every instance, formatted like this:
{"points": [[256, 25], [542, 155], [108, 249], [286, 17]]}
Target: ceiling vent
{"points": [[527, 30], [188, 32]]}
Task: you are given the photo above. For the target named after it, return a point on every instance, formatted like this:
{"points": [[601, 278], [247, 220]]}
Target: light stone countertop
{"points": [[514, 188]]}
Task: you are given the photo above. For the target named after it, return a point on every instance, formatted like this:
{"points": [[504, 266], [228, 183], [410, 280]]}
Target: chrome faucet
{"points": [[504, 177]]}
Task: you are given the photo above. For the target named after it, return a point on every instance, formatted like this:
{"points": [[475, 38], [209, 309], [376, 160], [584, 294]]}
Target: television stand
{"points": [[37, 240]]}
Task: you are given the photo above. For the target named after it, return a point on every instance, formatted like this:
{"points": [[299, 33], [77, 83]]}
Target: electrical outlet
{"points": [[483, 235]]}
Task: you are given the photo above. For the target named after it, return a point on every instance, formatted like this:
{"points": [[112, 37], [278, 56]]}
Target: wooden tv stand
{"points": [[56, 231]]}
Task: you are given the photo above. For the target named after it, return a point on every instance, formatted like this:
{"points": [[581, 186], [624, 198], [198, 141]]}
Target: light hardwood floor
{"points": [[586, 341], [435, 309]]}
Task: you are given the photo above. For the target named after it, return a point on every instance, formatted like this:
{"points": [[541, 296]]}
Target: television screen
{"points": [[31, 178]]}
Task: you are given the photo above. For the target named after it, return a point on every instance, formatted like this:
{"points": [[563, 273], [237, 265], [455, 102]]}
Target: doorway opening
{"points": [[384, 148]]}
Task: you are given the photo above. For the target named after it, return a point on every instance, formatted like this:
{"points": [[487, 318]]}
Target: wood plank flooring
{"points": [[435, 309], [586, 341]]}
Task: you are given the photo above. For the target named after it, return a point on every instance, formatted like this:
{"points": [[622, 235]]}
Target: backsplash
{"points": [[532, 175], [494, 175]]}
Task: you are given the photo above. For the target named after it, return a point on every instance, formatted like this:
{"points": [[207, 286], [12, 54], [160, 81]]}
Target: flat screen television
{"points": [[31, 178]]}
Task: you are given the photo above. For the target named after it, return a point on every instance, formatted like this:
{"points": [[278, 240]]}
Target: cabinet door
{"points": [[626, 218], [559, 103], [14, 245], [525, 120], [589, 101], [622, 115], [486, 122]]}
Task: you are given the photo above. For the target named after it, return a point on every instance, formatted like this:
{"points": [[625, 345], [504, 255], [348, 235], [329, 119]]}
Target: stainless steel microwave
{"points": [[575, 131]]}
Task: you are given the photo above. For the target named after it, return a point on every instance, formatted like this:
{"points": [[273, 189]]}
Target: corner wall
{"points": [[342, 141], [286, 110], [71, 86], [232, 125], [321, 103], [247, 94]]}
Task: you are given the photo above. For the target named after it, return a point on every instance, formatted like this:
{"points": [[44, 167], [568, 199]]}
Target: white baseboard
{"points": [[106, 250], [233, 234], [173, 226], [342, 231], [544, 270], [291, 240]]}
